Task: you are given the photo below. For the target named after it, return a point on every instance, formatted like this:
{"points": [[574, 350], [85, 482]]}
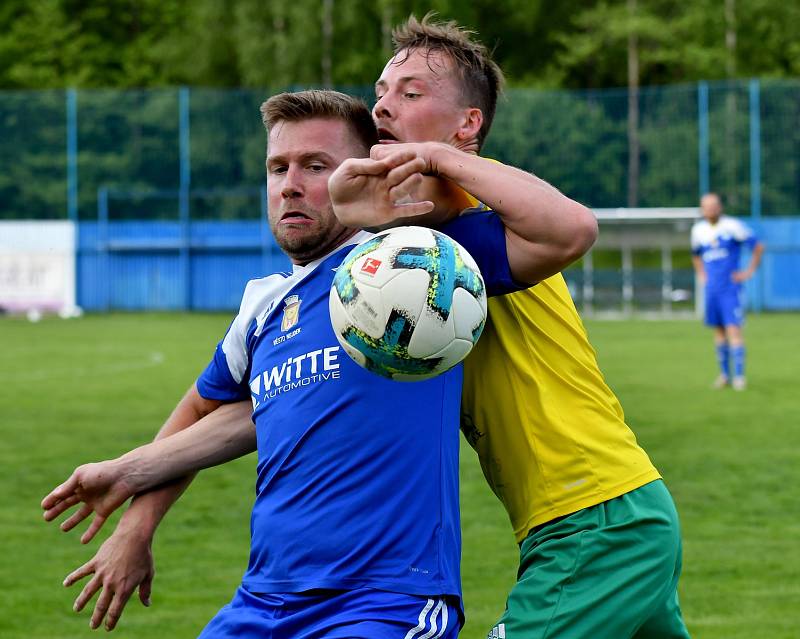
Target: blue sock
{"points": [[738, 360], [722, 359]]}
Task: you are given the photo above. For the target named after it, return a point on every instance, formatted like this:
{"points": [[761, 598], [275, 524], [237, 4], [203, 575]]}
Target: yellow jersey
{"points": [[550, 433]]}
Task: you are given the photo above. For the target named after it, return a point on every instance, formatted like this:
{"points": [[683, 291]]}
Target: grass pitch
{"points": [[89, 389]]}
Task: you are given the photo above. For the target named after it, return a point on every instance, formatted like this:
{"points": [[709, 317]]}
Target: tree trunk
{"points": [[731, 107], [633, 110], [386, 28], [327, 42]]}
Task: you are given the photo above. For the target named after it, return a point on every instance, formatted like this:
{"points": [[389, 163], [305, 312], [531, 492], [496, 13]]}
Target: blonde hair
{"points": [[321, 103], [480, 79]]}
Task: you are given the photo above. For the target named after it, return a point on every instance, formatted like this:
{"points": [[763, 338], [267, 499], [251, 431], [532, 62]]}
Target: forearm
{"points": [[755, 258], [189, 441], [540, 220], [219, 437], [699, 269]]}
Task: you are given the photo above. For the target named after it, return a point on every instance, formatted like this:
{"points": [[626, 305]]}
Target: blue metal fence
{"points": [[172, 162], [135, 265]]}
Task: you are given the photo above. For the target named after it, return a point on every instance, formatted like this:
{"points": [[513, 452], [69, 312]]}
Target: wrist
{"points": [[440, 157], [137, 523]]}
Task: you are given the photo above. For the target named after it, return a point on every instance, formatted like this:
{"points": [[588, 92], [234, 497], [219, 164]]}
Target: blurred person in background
{"points": [[717, 242]]}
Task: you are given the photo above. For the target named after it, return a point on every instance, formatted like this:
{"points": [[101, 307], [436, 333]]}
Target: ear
{"points": [[471, 125]]}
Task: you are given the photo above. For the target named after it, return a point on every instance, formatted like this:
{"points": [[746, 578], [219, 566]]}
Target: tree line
{"points": [[254, 43]]}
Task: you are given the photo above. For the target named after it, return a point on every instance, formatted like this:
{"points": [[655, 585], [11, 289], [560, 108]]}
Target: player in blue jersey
{"points": [[355, 526], [717, 242]]}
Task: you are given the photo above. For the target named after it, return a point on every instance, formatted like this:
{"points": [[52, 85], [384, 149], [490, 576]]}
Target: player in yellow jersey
{"points": [[598, 532]]}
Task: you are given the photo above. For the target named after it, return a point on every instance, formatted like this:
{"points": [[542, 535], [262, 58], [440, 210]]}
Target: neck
{"points": [[470, 146], [304, 260]]}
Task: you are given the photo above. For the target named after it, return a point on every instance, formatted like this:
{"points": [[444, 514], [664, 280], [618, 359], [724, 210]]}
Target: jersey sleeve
{"points": [[225, 378], [744, 234], [482, 233], [697, 247]]}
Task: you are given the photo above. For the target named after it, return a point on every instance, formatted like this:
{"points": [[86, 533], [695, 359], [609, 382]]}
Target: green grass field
{"points": [[88, 389]]}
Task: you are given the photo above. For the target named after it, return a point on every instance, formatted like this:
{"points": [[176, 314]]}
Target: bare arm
{"points": [[222, 435], [379, 194], [124, 561], [699, 268], [545, 230], [755, 260]]}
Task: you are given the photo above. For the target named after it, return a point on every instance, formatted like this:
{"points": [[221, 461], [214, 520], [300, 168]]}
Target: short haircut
{"points": [[480, 78], [319, 103]]}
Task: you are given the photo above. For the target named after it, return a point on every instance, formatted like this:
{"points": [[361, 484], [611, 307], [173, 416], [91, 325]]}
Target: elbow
{"points": [[584, 233]]}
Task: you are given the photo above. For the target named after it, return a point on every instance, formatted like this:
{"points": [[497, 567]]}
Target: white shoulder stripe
{"points": [[260, 297]]}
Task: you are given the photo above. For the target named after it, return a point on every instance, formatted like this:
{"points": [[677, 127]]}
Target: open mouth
{"points": [[386, 137], [294, 217]]}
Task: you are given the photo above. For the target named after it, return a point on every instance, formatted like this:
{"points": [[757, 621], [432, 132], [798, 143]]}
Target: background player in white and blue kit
{"points": [[717, 242]]}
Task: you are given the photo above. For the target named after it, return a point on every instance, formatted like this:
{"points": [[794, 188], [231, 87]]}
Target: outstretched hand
{"points": [[100, 488], [123, 563], [377, 193]]}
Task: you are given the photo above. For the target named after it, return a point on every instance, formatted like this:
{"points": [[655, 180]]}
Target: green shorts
{"points": [[605, 572]]}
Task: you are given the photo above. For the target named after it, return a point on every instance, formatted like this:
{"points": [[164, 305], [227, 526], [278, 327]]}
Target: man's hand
{"points": [[742, 276], [122, 563], [100, 488], [378, 193]]}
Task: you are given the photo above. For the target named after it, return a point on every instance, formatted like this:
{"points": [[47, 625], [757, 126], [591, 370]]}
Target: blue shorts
{"points": [[335, 614], [724, 307]]}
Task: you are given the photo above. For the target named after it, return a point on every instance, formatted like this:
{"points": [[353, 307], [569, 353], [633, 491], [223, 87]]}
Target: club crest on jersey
{"points": [[370, 266], [291, 312]]}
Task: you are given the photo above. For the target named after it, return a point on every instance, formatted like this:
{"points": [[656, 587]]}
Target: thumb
{"points": [[145, 589]]}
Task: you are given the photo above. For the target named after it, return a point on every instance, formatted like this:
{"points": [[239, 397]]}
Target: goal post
{"points": [[640, 265]]}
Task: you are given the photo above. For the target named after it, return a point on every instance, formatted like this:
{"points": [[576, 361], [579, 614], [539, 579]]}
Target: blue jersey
{"points": [[357, 477], [719, 245]]}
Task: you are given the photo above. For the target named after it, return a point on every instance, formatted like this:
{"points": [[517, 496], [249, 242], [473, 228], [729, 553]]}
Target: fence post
{"points": [[102, 246], [266, 245], [755, 177], [183, 195], [703, 138], [72, 155]]}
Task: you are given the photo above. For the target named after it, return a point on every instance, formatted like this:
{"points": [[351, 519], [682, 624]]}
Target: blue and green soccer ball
{"points": [[408, 303]]}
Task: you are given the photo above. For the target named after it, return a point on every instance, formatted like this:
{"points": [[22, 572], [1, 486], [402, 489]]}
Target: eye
{"points": [[411, 95], [317, 168], [277, 169]]}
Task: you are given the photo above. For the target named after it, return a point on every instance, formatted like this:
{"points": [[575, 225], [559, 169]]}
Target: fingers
{"points": [[77, 517], [117, 606], [411, 169], [64, 491], [413, 208], [362, 166], [87, 593], [80, 573], [103, 602], [55, 508], [94, 527], [145, 588]]}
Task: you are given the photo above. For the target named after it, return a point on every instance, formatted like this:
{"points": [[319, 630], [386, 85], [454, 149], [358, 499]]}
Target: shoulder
{"points": [[262, 292], [700, 230], [736, 228]]}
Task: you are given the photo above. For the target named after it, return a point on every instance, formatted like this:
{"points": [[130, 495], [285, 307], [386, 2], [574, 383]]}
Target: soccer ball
{"points": [[408, 303]]}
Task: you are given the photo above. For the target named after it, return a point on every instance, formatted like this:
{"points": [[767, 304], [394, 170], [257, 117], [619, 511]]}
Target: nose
{"points": [[381, 108], [292, 183]]}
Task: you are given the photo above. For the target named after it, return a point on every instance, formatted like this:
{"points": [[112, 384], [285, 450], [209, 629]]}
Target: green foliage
{"points": [[81, 390], [137, 43], [577, 139]]}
